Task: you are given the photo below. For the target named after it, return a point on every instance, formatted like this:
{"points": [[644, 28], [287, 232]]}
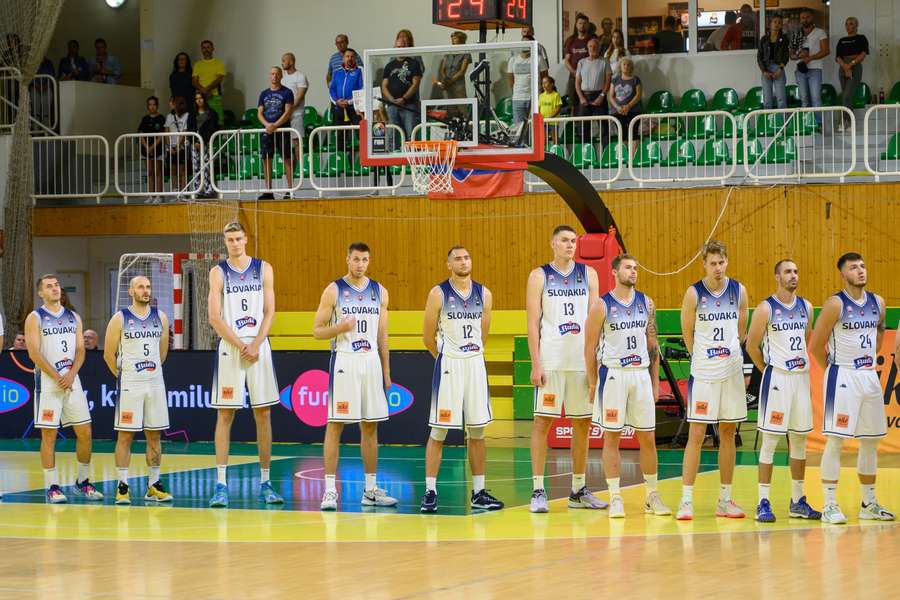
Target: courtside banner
{"points": [[560, 435], [483, 183], [299, 416], [890, 385]]}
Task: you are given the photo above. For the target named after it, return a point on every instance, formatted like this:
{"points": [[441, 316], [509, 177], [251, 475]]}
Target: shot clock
{"points": [[468, 14]]}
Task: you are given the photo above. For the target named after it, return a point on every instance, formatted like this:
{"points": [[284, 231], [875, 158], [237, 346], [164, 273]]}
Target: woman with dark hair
{"points": [[152, 149], [178, 146], [205, 122], [180, 83]]}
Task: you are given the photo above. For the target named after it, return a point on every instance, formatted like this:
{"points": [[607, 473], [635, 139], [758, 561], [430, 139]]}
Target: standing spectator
{"points": [[772, 56], [181, 79], [809, 67], [668, 41], [732, 39], [605, 35], [549, 104], [519, 74], [152, 149], [749, 28], [19, 342], [207, 76], [592, 84], [274, 111], [625, 98], [341, 42], [616, 51], [91, 340], [450, 80], [400, 88], [106, 67], [714, 41], [73, 67], [205, 122], [294, 79], [528, 36], [575, 49], [850, 52], [178, 146], [345, 80]]}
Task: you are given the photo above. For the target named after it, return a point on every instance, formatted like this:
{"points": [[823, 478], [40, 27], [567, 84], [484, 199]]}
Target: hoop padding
{"points": [[431, 163]]}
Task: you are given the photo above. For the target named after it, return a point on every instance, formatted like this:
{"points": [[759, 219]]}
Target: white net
{"points": [[155, 266], [431, 163]]}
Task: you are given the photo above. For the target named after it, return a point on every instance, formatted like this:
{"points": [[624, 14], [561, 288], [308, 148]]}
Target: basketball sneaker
{"points": [[220, 497], [55, 495], [429, 502], [616, 507], [685, 511], [729, 510], [268, 494], [485, 501], [655, 505], [377, 497], [831, 513], [87, 490], [158, 493], [764, 512], [875, 512], [539, 501], [329, 500], [122, 496], [583, 498], [801, 510]]}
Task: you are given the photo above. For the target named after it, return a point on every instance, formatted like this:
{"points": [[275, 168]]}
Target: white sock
{"points": [[220, 474], [868, 493], [830, 490], [330, 483], [725, 492], [796, 490], [84, 472], [153, 477], [370, 481], [764, 491], [650, 482], [477, 483], [577, 481], [537, 482], [687, 493], [123, 474], [613, 485], [431, 484], [50, 477], [263, 475]]}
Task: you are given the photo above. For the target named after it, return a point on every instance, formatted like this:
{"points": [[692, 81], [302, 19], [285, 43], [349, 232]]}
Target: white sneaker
{"points": [[831, 513], [685, 511], [329, 501], [729, 509], [875, 512], [616, 507], [377, 497], [655, 506]]}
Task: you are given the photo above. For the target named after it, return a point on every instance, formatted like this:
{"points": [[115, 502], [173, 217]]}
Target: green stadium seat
{"points": [[614, 155], [311, 116], [726, 130], [714, 153], [338, 164], [504, 107], [277, 166], [894, 96], [754, 151], [793, 96], [250, 118], [829, 95], [862, 95], [802, 123], [780, 152], [766, 125], [557, 149], [666, 129], [648, 154], [661, 102], [700, 128], [726, 99], [229, 121], [893, 148], [681, 154], [693, 100], [250, 167], [584, 156], [753, 100], [357, 169]]}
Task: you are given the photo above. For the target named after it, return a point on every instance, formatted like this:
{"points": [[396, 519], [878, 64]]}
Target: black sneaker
{"points": [[267, 196], [485, 501], [429, 502]]}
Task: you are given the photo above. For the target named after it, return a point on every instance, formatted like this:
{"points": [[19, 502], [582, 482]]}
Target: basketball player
{"points": [[55, 343], [556, 301], [241, 309], [137, 341], [457, 321], [846, 339], [777, 344], [353, 315], [713, 320], [620, 334]]}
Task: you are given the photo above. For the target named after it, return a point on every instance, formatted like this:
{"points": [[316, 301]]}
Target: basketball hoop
{"points": [[431, 163]]}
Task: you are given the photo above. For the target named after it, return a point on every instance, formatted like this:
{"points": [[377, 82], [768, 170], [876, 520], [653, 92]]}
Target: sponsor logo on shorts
{"points": [[627, 361], [444, 415], [795, 363], [611, 414], [145, 365], [701, 408], [127, 417], [718, 352], [776, 418], [361, 346], [549, 400], [245, 322], [470, 348], [842, 421], [570, 327], [47, 414], [227, 393], [342, 408], [65, 363], [863, 362], [13, 395]]}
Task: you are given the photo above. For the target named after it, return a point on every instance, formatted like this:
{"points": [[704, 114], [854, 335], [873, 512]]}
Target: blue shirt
{"points": [[343, 82], [274, 101], [112, 64], [68, 65], [337, 61]]}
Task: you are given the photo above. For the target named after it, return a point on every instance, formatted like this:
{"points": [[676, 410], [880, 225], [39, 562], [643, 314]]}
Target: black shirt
{"points": [[668, 42], [852, 45], [180, 84], [150, 124], [399, 73]]}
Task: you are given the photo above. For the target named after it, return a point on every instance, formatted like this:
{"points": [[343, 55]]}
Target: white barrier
{"points": [[43, 95], [334, 161], [592, 144], [881, 132], [157, 165], [75, 166], [251, 161]]}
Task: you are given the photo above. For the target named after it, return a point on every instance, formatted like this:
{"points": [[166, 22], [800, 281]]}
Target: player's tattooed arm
{"points": [[653, 346]]}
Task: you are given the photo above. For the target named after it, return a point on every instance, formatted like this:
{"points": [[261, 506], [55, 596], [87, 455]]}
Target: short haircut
{"points": [[454, 249], [845, 258], [207, 42], [560, 228], [807, 11], [40, 280], [618, 260], [291, 54], [580, 16], [349, 49], [154, 98], [730, 17], [714, 247], [277, 69], [100, 41], [73, 42], [232, 227], [342, 35], [780, 263], [671, 22], [358, 247]]}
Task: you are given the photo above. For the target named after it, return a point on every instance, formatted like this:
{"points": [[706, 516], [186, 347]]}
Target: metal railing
{"points": [[43, 95], [158, 165], [334, 161], [592, 144], [252, 161], [73, 166], [881, 132]]}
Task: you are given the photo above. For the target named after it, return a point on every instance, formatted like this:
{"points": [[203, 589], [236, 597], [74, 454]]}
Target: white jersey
{"points": [[243, 299], [59, 335], [459, 324], [365, 305], [623, 339], [564, 309], [784, 345], [852, 341], [138, 357], [717, 346]]}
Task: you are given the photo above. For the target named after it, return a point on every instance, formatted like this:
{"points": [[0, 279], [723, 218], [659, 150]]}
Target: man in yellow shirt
{"points": [[207, 77]]}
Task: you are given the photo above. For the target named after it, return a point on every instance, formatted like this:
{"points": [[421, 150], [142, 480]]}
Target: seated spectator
{"points": [[207, 76], [625, 98], [73, 67], [205, 122], [181, 79], [668, 41], [152, 149], [106, 68], [400, 86], [605, 35], [850, 52], [574, 50], [450, 80], [336, 61], [91, 340], [294, 79], [274, 111], [592, 82], [749, 28], [528, 36], [519, 73], [178, 145], [715, 39], [616, 51], [549, 104], [19, 342], [772, 56], [344, 81]]}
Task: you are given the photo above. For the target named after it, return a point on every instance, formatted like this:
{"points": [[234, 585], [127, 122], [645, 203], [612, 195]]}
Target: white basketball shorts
{"points": [[459, 393], [723, 401], [784, 402], [624, 398], [356, 388], [563, 389], [854, 403], [142, 405], [232, 373], [55, 408]]}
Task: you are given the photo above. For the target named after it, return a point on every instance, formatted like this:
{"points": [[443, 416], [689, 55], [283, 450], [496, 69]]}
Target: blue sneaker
{"points": [[801, 510], [485, 501], [220, 497], [268, 495], [429, 502], [764, 512]]}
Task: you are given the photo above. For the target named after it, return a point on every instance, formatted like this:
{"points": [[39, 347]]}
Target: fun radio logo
{"points": [[307, 398], [571, 327], [245, 322], [13, 395]]}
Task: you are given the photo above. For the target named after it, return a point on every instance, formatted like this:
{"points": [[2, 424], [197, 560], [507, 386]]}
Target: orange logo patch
{"points": [[843, 421], [127, 418], [227, 393], [776, 418], [47, 414], [701, 408], [343, 408], [444, 415], [612, 414], [549, 400]]}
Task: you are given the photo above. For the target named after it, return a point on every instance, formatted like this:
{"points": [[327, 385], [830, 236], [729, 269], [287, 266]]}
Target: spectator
{"points": [[850, 52], [152, 149], [575, 49], [605, 35], [65, 301], [91, 339], [732, 39], [616, 51], [19, 342], [519, 74], [668, 41], [809, 68], [177, 147], [772, 56], [592, 84], [450, 80], [794, 32], [625, 98], [294, 80], [106, 67], [73, 67], [274, 111], [749, 28], [714, 41], [207, 76], [528, 36], [181, 79], [549, 104], [345, 80], [400, 86], [205, 122], [341, 42]]}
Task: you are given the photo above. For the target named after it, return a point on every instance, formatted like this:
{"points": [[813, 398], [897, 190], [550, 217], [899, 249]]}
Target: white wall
{"points": [[95, 108]]}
